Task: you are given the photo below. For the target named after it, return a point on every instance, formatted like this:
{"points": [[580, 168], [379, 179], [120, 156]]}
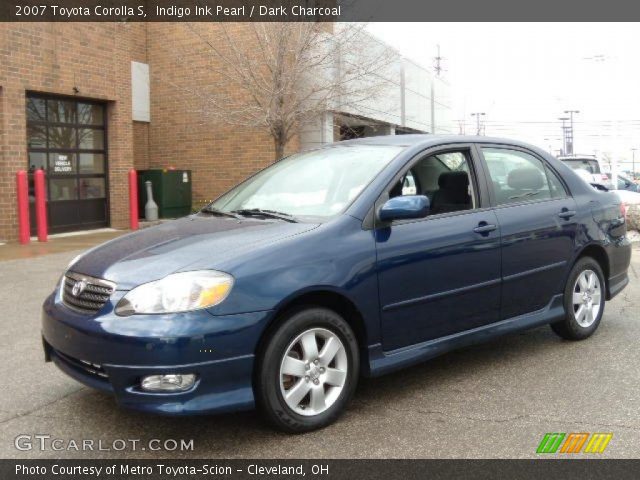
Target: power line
{"points": [[555, 122]]}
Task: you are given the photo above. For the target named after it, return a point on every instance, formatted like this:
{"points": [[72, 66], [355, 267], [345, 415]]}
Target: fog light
{"points": [[168, 383]]}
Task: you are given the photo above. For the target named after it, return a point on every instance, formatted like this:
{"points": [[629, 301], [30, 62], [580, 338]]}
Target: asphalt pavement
{"points": [[495, 400]]}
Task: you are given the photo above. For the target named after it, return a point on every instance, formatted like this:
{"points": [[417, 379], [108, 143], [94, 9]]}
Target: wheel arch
{"points": [[324, 297], [599, 254]]}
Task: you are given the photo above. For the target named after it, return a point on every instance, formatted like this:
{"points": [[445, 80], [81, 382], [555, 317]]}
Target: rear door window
{"points": [[557, 188], [520, 177]]}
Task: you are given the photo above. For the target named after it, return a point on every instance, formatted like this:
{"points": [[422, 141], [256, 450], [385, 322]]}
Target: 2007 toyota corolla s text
{"points": [[358, 258]]}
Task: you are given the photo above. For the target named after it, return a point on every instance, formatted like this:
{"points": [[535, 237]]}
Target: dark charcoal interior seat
{"points": [[525, 179], [453, 194], [521, 181]]}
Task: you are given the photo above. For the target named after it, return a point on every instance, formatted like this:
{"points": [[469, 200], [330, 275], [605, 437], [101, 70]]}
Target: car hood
{"points": [[196, 242]]}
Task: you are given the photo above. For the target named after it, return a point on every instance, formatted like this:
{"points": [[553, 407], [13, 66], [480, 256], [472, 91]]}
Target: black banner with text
{"points": [[315, 10], [317, 469]]}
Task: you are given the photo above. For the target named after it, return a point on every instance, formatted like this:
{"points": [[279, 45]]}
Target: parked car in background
{"points": [[591, 165], [409, 186], [329, 265], [624, 183], [627, 183], [629, 199]]}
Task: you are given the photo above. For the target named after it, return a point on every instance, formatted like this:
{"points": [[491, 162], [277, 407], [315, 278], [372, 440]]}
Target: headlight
{"points": [[178, 292]]}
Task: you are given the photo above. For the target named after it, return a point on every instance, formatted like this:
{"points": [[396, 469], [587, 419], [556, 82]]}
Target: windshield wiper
{"points": [[253, 212], [528, 194], [220, 213]]}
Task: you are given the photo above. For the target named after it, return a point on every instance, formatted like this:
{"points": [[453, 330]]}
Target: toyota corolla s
{"points": [[358, 258]]}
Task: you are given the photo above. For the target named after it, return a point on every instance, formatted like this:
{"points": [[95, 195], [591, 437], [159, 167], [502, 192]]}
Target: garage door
{"points": [[67, 138]]}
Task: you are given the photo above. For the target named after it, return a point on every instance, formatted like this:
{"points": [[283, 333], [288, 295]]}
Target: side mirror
{"points": [[404, 207]]}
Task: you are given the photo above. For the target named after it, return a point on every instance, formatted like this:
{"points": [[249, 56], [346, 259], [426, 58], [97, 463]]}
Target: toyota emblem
{"points": [[78, 288]]}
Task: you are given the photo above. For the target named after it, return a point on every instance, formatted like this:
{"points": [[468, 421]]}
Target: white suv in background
{"points": [[591, 165]]}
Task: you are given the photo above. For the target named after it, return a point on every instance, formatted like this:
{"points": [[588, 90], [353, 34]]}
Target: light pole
{"points": [[478, 115], [570, 134], [633, 161], [564, 135]]}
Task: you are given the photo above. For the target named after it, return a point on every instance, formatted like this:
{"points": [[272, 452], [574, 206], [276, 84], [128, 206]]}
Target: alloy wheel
{"points": [[587, 296], [313, 371]]}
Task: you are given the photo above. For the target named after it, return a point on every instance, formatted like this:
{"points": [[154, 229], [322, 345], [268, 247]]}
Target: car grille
{"points": [[86, 294], [91, 369]]}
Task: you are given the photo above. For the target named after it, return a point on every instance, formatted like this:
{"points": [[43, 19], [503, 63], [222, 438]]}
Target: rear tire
{"points": [[308, 371], [584, 297]]}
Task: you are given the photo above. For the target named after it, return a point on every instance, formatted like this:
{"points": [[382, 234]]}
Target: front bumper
{"points": [[112, 354]]}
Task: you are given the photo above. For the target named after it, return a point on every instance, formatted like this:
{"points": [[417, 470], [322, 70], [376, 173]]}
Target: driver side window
{"points": [[444, 178]]}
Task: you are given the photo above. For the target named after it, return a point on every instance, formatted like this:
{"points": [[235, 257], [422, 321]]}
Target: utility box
{"points": [[171, 191]]}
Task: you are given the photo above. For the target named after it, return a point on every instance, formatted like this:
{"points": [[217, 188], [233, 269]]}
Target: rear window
{"points": [[590, 166]]}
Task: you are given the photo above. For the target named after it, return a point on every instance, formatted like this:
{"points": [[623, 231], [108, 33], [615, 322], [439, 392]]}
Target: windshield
{"points": [[319, 183], [590, 166]]}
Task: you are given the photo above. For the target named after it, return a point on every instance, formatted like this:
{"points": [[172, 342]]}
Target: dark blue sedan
{"points": [[354, 259]]}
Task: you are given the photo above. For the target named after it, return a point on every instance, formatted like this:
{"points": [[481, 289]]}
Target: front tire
{"points": [[584, 298], [308, 371]]}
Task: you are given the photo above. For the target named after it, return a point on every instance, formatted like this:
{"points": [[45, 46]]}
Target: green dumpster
{"points": [[171, 191]]}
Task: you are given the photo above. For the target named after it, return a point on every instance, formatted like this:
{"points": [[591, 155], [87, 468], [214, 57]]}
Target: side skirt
{"points": [[381, 362], [617, 284]]}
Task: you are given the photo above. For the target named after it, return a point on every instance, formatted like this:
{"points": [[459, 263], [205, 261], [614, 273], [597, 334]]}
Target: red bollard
{"points": [[22, 189], [41, 205], [133, 199]]}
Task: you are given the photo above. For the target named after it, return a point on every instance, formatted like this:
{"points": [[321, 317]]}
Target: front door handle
{"points": [[567, 214], [484, 227]]}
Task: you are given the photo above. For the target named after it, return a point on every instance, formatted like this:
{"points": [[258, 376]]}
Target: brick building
{"points": [[89, 101]]}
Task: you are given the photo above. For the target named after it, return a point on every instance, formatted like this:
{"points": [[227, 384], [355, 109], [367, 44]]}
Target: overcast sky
{"points": [[525, 75]]}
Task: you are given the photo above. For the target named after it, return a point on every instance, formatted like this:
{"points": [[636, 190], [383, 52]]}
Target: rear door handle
{"points": [[567, 214], [484, 227]]}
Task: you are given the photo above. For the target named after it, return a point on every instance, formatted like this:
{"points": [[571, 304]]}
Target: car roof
{"points": [[427, 140]]}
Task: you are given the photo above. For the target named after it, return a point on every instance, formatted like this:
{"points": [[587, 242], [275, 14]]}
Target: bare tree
{"points": [[282, 76]]}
